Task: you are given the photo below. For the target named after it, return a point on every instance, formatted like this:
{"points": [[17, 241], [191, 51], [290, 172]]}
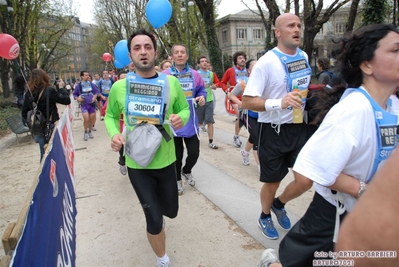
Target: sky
{"points": [[226, 7]]}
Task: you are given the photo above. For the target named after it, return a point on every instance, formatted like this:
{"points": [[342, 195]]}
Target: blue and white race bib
{"points": [[145, 99]]}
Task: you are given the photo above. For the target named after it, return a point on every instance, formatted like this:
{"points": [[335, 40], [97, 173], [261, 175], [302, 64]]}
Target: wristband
{"points": [[273, 104]]}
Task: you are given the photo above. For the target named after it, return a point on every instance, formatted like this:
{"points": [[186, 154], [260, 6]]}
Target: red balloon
{"points": [[9, 47], [107, 57]]}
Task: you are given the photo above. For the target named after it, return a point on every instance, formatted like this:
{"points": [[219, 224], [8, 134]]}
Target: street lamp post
{"points": [[185, 4]]}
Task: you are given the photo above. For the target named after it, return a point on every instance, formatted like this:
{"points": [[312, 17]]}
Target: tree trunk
{"points": [[5, 67], [274, 12], [314, 17], [352, 15], [215, 53]]}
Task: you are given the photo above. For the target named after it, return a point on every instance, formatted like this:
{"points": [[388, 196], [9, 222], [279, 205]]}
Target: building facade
{"points": [[246, 32], [243, 31], [78, 38]]}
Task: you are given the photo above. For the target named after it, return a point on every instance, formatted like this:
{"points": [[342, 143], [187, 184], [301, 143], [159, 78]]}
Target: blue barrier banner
{"points": [[49, 236]]}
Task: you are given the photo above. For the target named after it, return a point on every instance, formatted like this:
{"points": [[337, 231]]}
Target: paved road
{"points": [[216, 225]]}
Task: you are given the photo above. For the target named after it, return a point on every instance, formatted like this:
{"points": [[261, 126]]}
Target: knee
{"points": [[154, 226], [194, 153]]}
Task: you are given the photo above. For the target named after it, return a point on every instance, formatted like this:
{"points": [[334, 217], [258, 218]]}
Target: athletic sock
{"points": [[210, 141], [264, 215], [278, 204], [164, 259]]}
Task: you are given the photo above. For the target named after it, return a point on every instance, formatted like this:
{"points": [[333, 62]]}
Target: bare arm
{"points": [[373, 223], [258, 104], [253, 103], [234, 99], [346, 184]]}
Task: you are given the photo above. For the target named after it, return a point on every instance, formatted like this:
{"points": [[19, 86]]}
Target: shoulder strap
{"points": [[34, 103], [48, 107], [166, 101], [167, 94]]}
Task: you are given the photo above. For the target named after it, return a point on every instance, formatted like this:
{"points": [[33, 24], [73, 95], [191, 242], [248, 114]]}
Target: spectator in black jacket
{"points": [[19, 90], [39, 81]]}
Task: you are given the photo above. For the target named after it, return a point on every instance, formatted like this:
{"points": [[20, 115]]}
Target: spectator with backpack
{"points": [[324, 76], [42, 95], [86, 93]]}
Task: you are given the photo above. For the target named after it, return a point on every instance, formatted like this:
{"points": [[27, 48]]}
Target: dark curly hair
{"points": [[142, 32], [248, 63], [353, 50], [237, 54], [324, 63]]}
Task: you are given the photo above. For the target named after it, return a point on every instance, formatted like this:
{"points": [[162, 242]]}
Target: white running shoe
{"points": [[237, 141], [245, 157], [189, 178], [180, 187], [91, 135], [269, 256], [213, 146], [123, 169], [86, 136], [164, 264]]}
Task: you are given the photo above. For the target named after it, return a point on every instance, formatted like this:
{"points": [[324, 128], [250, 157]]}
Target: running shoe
{"points": [[180, 187], [91, 135], [101, 118], [237, 141], [269, 256], [123, 169], [164, 264], [203, 128], [282, 217], [213, 146], [267, 227], [189, 178], [245, 157], [86, 136], [93, 128]]}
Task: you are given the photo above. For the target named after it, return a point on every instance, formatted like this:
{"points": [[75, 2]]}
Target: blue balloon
{"points": [[158, 12], [121, 53], [118, 65]]}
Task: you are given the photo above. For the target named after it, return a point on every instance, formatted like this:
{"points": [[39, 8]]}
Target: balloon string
{"points": [[160, 39], [22, 73]]}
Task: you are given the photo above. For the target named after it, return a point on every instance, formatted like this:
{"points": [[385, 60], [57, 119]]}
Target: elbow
{"points": [[245, 102], [302, 182]]}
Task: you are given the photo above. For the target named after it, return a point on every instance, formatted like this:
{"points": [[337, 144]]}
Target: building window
{"points": [[258, 34], [339, 28], [224, 36], [241, 33]]}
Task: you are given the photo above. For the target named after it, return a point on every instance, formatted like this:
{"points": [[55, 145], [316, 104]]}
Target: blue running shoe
{"points": [[267, 227], [282, 217]]}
